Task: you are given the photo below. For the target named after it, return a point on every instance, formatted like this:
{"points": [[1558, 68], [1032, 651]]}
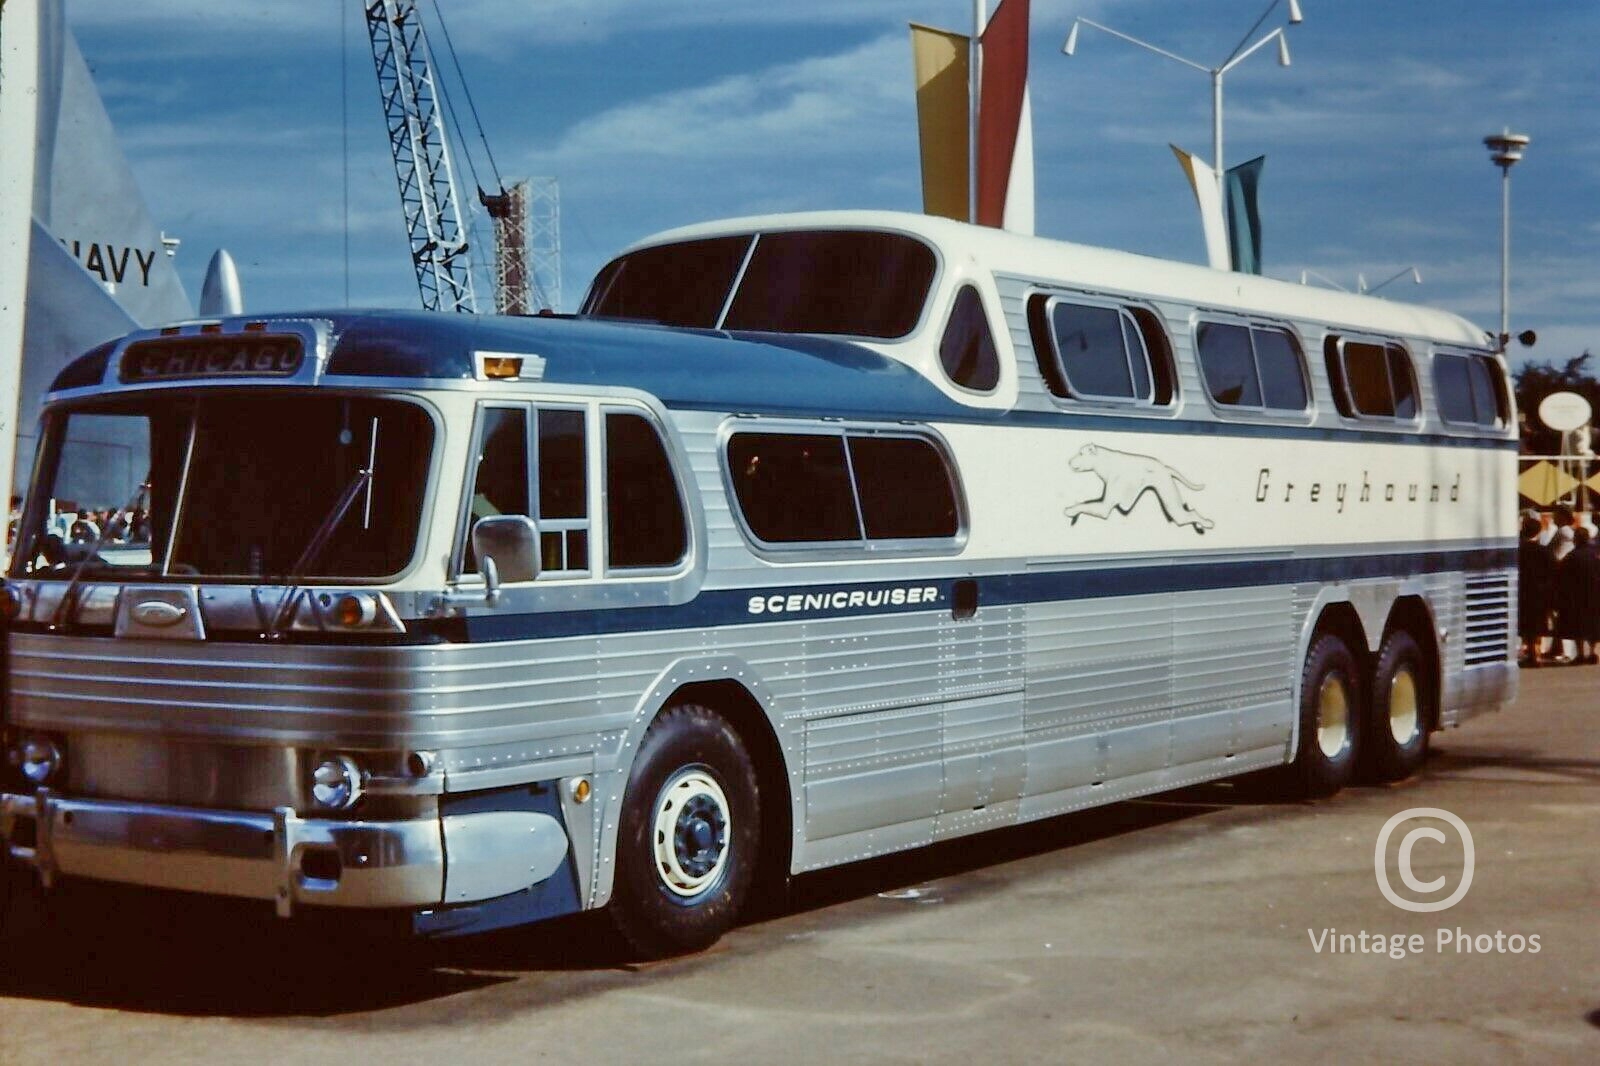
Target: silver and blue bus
{"points": [[811, 538]]}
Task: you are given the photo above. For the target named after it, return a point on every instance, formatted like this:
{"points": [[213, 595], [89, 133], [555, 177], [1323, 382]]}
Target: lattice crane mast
{"points": [[428, 198]]}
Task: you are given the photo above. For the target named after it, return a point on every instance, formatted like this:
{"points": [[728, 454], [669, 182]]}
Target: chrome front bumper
{"points": [[278, 856]]}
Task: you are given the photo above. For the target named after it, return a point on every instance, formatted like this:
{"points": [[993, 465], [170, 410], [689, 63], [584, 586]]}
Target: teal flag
{"points": [[1244, 220]]}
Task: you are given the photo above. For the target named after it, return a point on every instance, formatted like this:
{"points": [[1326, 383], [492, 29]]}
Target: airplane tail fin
{"points": [[96, 265]]}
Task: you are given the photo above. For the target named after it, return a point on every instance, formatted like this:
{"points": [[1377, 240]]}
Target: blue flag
{"points": [[1244, 220]]}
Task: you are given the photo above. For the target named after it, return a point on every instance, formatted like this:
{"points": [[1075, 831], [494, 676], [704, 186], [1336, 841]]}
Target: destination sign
{"points": [[216, 356]]}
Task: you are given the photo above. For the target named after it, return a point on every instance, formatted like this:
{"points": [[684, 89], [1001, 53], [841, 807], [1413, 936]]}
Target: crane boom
{"points": [[428, 198]]}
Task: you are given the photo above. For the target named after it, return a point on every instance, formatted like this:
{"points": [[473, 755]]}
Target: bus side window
{"points": [[1469, 390], [1102, 353], [905, 490], [1489, 391], [1254, 367], [1452, 387], [1371, 380], [645, 524], [500, 484], [794, 488]]}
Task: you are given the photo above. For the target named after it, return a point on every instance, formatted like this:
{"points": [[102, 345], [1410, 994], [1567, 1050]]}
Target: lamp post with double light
{"points": [[1505, 151], [1240, 53]]}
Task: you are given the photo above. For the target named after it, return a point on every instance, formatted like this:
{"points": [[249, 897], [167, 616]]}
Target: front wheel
{"points": [[689, 833], [1397, 729], [1330, 719]]}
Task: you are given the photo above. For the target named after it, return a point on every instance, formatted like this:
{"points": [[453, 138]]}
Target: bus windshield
{"points": [[238, 487]]}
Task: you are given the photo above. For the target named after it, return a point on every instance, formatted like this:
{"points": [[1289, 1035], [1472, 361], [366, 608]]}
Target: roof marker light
{"points": [[502, 366]]}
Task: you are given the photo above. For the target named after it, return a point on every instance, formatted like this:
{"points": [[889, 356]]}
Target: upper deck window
{"points": [[1471, 389], [967, 350], [835, 488], [675, 285], [1371, 379], [854, 283], [1251, 366], [1101, 352]]}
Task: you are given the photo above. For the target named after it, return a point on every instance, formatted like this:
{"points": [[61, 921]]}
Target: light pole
{"points": [[1240, 53], [1505, 150]]}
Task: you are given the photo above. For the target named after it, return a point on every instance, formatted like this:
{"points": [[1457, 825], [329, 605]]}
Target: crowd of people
{"points": [[76, 525], [1558, 590]]}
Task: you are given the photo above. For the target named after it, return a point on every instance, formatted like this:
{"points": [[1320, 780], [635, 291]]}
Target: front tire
{"points": [[1402, 712], [689, 834], [1330, 719]]}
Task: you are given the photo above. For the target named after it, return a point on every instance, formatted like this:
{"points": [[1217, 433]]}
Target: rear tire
{"points": [[1402, 712], [689, 834], [1330, 720]]}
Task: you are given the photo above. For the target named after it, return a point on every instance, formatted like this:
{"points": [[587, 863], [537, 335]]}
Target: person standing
{"points": [[1536, 571], [1590, 572], [1572, 593]]}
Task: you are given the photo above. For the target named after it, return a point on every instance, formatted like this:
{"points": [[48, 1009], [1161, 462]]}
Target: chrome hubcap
{"points": [[1403, 706], [1333, 716], [692, 830]]}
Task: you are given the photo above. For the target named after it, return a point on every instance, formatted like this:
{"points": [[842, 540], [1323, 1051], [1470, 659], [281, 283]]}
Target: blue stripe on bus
{"points": [[723, 607]]}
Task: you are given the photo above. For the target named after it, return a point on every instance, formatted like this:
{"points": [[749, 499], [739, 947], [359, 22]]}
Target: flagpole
{"points": [[980, 18]]}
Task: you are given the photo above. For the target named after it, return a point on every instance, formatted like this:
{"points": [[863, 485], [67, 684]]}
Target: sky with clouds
{"points": [[247, 123]]}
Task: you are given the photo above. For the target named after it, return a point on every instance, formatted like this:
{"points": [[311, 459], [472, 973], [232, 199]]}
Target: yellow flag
{"points": [[943, 63]]}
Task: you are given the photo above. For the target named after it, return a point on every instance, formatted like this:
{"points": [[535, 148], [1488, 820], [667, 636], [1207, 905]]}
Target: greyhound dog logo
{"points": [[1125, 477]]}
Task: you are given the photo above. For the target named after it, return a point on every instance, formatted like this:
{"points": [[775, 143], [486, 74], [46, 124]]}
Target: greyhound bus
{"points": [[811, 538]]}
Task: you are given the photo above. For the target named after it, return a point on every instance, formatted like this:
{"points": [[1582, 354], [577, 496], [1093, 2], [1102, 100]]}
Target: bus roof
{"points": [[1101, 269], [738, 372]]}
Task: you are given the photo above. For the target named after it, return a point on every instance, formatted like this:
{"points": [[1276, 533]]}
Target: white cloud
{"points": [[840, 103]]}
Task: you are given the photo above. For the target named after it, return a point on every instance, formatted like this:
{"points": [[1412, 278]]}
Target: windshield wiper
{"points": [[94, 553], [319, 540]]}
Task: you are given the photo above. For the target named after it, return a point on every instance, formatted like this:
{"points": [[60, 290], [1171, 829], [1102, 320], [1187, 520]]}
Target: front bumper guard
{"points": [[279, 856]]}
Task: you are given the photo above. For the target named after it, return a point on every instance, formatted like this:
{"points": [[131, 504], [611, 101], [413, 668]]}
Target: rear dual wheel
{"points": [[1330, 719], [1402, 710]]}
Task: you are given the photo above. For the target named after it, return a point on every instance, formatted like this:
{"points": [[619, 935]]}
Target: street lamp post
{"points": [[1505, 150], [1240, 53]]}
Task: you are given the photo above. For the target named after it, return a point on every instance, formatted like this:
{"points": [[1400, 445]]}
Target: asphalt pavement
{"points": [[1207, 925]]}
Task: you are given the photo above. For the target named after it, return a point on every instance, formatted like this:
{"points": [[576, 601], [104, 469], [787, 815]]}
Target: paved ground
{"points": [[1161, 931]]}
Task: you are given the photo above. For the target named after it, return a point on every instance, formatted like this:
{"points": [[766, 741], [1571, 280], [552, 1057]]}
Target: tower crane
{"points": [[524, 276], [428, 198]]}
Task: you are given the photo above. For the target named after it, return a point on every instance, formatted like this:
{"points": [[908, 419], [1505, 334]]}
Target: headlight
{"points": [[10, 602], [38, 758], [337, 782]]}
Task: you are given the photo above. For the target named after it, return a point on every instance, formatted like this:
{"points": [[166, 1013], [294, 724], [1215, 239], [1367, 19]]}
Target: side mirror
{"points": [[507, 547]]}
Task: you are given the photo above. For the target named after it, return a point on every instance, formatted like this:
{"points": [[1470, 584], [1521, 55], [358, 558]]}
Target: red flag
{"points": [[1003, 84]]}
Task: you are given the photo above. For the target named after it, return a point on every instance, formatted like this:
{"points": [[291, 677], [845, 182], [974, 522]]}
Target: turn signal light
{"points": [[351, 611]]}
